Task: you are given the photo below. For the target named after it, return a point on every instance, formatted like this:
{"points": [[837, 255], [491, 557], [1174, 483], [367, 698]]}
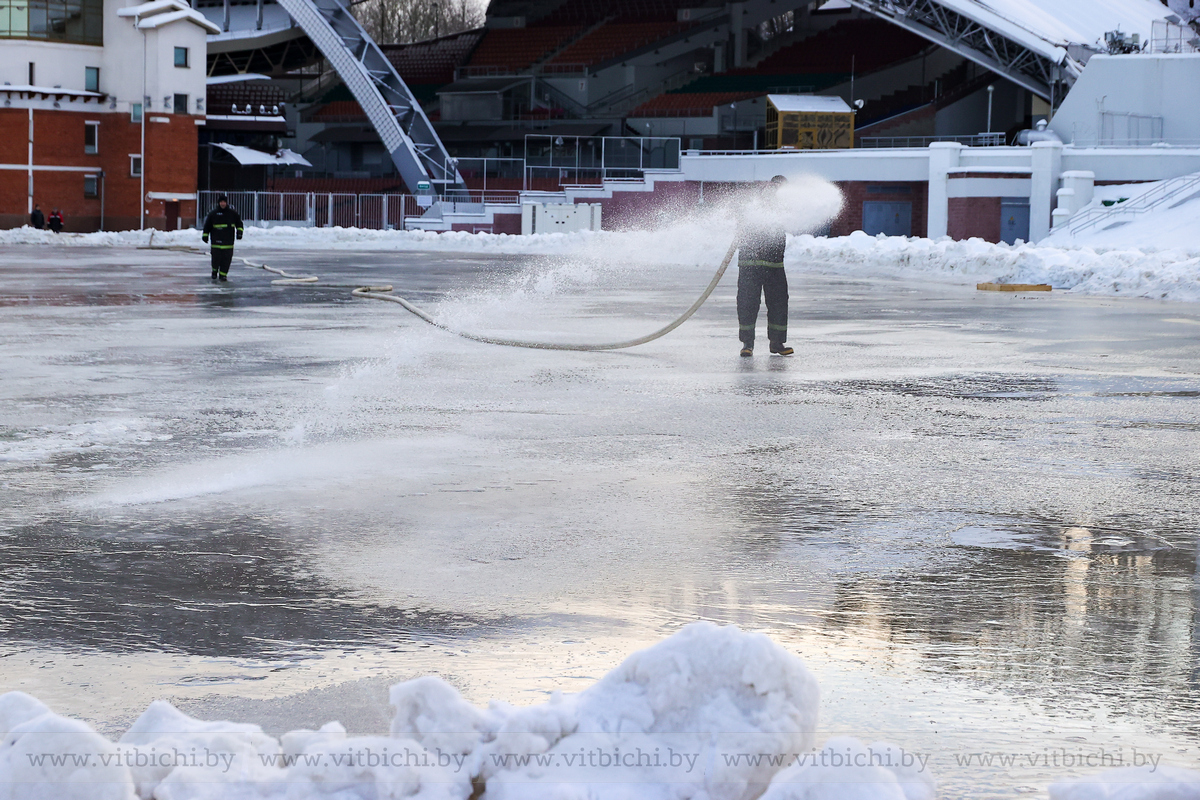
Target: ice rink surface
{"points": [[972, 514]]}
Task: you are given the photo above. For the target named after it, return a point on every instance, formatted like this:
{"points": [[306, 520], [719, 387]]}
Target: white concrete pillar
{"points": [[1082, 184], [1046, 158], [943, 157]]}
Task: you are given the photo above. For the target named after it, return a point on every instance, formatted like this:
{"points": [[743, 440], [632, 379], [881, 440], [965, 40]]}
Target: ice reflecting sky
{"points": [[973, 515]]}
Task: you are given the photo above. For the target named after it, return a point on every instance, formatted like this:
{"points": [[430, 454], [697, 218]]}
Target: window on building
{"points": [[135, 112], [181, 104], [181, 57], [135, 165], [90, 186], [91, 79], [74, 21], [91, 137]]}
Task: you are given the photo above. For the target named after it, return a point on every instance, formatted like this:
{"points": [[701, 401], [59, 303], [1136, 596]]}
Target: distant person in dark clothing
{"points": [[761, 244], [222, 225], [56, 220], [37, 219]]}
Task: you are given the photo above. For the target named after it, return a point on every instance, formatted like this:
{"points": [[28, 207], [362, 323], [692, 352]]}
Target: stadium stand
{"points": [[589, 12], [612, 39], [809, 65], [221, 97], [432, 62], [336, 111], [691, 104], [512, 50], [871, 43]]}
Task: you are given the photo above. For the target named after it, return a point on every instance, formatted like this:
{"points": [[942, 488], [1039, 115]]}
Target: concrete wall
{"points": [[1150, 84]]}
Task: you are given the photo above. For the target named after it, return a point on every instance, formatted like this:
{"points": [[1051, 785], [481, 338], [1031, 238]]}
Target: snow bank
{"points": [[1170, 227], [846, 769], [678, 719], [47, 757], [1132, 783], [1144, 266], [1165, 274]]}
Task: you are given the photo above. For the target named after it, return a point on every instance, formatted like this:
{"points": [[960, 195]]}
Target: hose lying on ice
{"points": [[383, 293]]}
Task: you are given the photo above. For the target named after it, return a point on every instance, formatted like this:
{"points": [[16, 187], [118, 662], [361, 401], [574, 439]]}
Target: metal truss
{"points": [[975, 41], [394, 112], [275, 60]]}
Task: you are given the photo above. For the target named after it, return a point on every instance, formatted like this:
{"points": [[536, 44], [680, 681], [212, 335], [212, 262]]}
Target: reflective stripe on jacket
{"points": [[222, 226]]}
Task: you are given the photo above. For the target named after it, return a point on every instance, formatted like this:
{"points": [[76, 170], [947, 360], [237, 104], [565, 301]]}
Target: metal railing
{"points": [[345, 210], [598, 157], [976, 140], [1164, 192], [1167, 37]]}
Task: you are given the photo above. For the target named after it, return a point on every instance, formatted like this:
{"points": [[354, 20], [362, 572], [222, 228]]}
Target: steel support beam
{"points": [[395, 114], [975, 41]]}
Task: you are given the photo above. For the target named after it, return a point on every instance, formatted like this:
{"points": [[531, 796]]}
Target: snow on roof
{"points": [[1062, 22], [217, 80], [247, 156], [809, 102], [163, 12]]}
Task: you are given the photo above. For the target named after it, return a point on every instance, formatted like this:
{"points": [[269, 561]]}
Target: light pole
{"points": [[991, 91]]}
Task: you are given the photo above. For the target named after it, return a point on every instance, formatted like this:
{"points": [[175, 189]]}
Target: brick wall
{"points": [[977, 217], [858, 192], [58, 141]]}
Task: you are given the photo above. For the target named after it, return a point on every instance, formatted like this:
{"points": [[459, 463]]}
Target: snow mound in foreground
{"points": [[846, 769], [661, 725], [1132, 783]]}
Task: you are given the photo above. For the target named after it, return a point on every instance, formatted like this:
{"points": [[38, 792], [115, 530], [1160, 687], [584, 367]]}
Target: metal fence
{"points": [[336, 209], [1166, 37], [976, 140], [584, 159]]}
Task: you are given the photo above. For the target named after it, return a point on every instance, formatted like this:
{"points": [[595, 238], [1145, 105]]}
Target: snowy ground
{"points": [[972, 515]]}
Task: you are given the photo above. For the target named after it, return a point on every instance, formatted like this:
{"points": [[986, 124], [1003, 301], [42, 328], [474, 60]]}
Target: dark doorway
{"points": [[173, 215]]}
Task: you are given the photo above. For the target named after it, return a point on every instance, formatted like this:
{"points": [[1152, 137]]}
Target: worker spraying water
{"points": [[765, 218], [761, 242]]}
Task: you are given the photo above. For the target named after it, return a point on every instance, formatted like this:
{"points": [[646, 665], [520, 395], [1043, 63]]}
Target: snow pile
{"points": [[1156, 782], [47, 757], [846, 769], [1171, 226], [1167, 274], [676, 720]]}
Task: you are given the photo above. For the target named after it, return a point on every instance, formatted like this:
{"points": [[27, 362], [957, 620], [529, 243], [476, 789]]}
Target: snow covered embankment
{"points": [[1131, 271], [680, 719], [692, 717]]}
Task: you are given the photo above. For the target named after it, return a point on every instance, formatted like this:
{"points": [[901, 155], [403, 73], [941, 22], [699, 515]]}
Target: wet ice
{"points": [[303, 492]]}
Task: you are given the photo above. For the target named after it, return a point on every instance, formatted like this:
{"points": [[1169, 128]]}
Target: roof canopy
{"points": [[808, 102], [247, 156], [1034, 43], [163, 12]]}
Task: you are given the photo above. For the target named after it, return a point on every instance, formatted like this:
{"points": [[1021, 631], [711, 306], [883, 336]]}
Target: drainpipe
{"points": [[142, 153], [29, 210], [101, 178]]}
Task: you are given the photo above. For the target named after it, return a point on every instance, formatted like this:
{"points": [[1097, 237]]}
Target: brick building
{"points": [[99, 106]]}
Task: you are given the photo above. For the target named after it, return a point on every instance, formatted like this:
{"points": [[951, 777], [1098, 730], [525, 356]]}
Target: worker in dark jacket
{"points": [[37, 219], [761, 244], [56, 221], [222, 225]]}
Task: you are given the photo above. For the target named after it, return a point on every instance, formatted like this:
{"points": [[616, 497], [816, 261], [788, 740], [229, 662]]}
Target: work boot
{"points": [[781, 349], [214, 275], [747, 352], [224, 279]]}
